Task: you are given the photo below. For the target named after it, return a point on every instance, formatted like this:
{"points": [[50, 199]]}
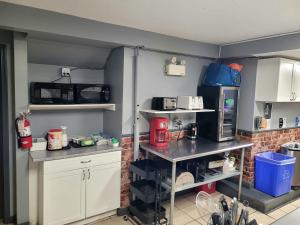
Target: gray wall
{"points": [[79, 122], [112, 121], [41, 23], [21, 103], [153, 82], [280, 109]]}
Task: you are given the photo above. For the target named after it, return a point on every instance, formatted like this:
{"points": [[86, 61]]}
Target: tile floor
{"points": [[186, 213]]}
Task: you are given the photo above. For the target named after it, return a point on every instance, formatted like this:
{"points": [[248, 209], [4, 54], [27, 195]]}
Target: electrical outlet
{"points": [[282, 122], [65, 72]]}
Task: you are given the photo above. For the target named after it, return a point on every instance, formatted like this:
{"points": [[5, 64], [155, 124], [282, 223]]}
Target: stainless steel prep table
{"points": [[186, 149]]}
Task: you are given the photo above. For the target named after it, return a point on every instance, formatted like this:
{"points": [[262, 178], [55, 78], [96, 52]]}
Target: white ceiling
{"points": [[212, 21]]}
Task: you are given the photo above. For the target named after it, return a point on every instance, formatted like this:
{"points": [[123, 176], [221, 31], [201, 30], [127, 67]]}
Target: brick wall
{"points": [[127, 158], [264, 141]]}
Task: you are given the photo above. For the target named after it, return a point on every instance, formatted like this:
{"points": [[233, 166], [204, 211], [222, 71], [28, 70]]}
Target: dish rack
{"points": [[147, 192]]}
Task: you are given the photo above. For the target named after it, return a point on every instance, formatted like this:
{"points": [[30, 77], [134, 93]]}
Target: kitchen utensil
{"points": [[192, 131], [38, 144], [164, 103], [234, 210], [65, 141], [253, 222], [55, 139], [92, 93], [51, 93], [244, 216], [206, 201], [159, 134], [189, 102], [216, 219]]}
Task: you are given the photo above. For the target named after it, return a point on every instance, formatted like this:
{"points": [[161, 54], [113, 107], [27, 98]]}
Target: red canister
{"points": [[55, 139]]}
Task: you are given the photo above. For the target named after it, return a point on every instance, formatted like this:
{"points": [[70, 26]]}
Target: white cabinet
{"points": [[78, 188], [296, 81], [64, 195], [103, 195], [278, 80]]}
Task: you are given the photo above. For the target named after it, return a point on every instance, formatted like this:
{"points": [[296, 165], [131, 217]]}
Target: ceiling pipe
{"points": [[136, 132]]}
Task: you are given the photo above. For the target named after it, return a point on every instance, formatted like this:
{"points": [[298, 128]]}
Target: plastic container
{"points": [[38, 144], [208, 188], [145, 190], [64, 136], [145, 212], [55, 139], [274, 173], [147, 168]]}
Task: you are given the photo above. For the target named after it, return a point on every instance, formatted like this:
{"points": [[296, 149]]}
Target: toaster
{"points": [[164, 103], [189, 102]]}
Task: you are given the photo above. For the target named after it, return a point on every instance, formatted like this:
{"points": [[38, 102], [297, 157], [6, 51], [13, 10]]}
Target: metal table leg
{"points": [[173, 187], [147, 155], [241, 173]]}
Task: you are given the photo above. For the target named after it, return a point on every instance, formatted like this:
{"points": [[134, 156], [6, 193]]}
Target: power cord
{"points": [[70, 79]]}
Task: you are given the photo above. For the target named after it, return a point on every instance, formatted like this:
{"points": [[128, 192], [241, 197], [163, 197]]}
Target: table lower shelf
{"points": [[209, 180]]}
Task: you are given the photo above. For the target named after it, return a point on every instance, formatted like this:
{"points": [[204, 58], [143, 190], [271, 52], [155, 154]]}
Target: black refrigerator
{"points": [[220, 125]]}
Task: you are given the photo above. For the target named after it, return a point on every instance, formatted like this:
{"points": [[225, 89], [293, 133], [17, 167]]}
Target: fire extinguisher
{"points": [[24, 131]]}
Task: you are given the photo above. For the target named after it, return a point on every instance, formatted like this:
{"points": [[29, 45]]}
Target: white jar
{"points": [[64, 136]]}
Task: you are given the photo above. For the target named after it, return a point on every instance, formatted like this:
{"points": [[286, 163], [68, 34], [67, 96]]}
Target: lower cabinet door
{"points": [[103, 188], [64, 197]]}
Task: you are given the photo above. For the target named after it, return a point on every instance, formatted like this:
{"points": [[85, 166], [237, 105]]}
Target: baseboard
{"points": [[11, 219], [95, 218], [26, 223]]}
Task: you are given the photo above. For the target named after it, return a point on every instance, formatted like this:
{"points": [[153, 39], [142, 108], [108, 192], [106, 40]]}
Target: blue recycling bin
{"points": [[274, 173]]}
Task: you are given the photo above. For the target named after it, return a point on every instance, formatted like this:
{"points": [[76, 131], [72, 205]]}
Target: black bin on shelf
{"points": [[145, 212], [145, 190], [147, 168]]}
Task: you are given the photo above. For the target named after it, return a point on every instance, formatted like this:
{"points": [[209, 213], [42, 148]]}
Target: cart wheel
{"points": [[125, 218]]}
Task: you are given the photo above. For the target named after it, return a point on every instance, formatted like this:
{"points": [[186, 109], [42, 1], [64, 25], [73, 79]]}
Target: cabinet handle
{"points": [[86, 161], [83, 177], [89, 176], [292, 96], [295, 96]]}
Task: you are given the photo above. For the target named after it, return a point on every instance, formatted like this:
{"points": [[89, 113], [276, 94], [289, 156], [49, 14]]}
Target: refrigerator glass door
{"points": [[228, 120]]}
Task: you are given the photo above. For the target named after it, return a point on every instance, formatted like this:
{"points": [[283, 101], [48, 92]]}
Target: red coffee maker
{"points": [[159, 134]]}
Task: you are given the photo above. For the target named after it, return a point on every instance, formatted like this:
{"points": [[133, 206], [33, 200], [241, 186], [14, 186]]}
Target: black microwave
{"points": [[51, 93], [92, 93], [61, 93]]}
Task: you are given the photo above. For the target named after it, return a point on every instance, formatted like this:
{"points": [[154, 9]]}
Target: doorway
{"points": [[1, 135], [4, 139]]}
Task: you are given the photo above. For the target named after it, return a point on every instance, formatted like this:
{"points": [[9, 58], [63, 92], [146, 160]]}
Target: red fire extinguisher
{"points": [[24, 131]]}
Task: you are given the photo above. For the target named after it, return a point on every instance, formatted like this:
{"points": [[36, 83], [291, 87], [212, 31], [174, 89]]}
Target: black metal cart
{"points": [[148, 193]]}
